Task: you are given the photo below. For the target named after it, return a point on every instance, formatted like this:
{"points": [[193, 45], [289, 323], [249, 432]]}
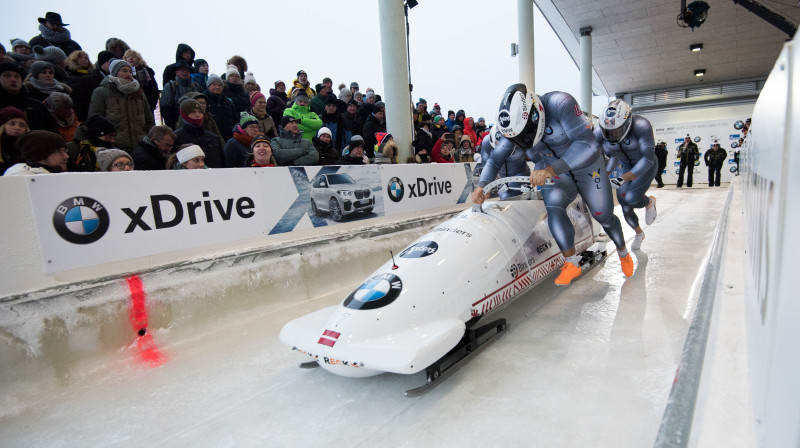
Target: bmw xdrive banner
{"points": [[417, 187]]}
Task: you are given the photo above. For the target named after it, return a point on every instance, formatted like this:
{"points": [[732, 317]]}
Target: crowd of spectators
{"points": [[61, 112]]}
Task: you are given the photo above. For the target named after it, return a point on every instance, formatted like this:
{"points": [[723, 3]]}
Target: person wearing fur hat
{"points": [[53, 33], [200, 75], [277, 101], [153, 150], [328, 155], [41, 81], [145, 75], [96, 132], [354, 153], [44, 152], [290, 148], [238, 147], [174, 90], [117, 46], [261, 156], [62, 110], [13, 93], [221, 107], [308, 122], [386, 149], [188, 157], [193, 132], [183, 53], [234, 89], [112, 159], [78, 66], [240, 63], [120, 99], [302, 83], [464, 151], [266, 124], [21, 47], [208, 118], [13, 124]]}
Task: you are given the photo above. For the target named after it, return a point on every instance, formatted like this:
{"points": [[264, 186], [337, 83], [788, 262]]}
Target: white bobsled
{"points": [[417, 308]]}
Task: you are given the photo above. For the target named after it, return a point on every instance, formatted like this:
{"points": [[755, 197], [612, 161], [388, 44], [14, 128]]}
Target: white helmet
{"points": [[616, 121], [494, 134], [521, 116]]}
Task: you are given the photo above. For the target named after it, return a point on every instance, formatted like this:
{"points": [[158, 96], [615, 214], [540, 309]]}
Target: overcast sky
{"points": [[460, 49]]}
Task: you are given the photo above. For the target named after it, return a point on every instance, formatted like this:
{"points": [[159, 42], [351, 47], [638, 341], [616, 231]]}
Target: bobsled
{"points": [[430, 306]]}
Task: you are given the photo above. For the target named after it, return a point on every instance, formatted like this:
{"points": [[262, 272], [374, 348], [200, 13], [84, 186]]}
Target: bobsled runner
{"points": [[430, 306]]}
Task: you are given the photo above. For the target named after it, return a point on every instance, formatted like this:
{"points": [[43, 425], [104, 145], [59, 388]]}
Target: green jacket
{"points": [[291, 150], [131, 114], [309, 122], [317, 104]]}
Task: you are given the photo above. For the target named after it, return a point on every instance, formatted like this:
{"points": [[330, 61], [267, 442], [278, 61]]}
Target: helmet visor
{"points": [[615, 135]]}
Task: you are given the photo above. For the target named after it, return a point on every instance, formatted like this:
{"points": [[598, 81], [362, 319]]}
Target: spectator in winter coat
{"points": [[464, 152], [120, 99], [277, 101], [174, 90], [424, 139], [261, 150], [234, 89], [451, 120], [41, 81], [322, 142], [238, 147], [317, 103], [266, 125], [366, 109], [345, 95], [250, 84], [332, 120], [460, 116], [480, 128], [193, 132], [112, 159], [308, 122], [43, 151], [13, 93], [374, 124], [83, 88], [469, 130], [13, 124], [208, 120], [54, 33], [153, 150], [96, 132], [78, 65], [355, 153], [221, 107], [385, 149], [439, 128], [188, 157], [19, 46], [183, 53], [443, 154], [118, 47], [240, 63], [353, 124], [145, 75], [61, 109], [291, 148], [200, 75], [302, 83]]}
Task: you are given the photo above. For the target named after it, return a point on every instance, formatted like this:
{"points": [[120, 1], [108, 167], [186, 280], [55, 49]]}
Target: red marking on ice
{"points": [[148, 351]]}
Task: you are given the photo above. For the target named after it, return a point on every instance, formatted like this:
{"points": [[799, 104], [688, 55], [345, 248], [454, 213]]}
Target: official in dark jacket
{"points": [[688, 154], [715, 160]]}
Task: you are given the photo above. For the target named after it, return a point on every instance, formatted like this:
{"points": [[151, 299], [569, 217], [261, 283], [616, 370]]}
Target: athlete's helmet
{"points": [[615, 123], [494, 134], [521, 116]]}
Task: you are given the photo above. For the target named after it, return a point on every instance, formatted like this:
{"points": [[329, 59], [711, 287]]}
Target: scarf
{"points": [[142, 75], [192, 121], [46, 87], [58, 37], [241, 137], [65, 123], [124, 86]]}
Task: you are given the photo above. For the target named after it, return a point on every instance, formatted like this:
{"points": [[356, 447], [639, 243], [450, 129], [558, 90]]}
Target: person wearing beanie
{"points": [[193, 132], [96, 132], [308, 122], [368, 106], [113, 159], [41, 81], [333, 120], [354, 153], [234, 89], [302, 83], [374, 124], [480, 128], [451, 120], [438, 129], [220, 107], [182, 53], [200, 75], [54, 56], [345, 95], [250, 84], [21, 47], [352, 123], [444, 153], [261, 153], [238, 147], [290, 148], [277, 102], [322, 143], [121, 100], [43, 152], [208, 120], [12, 93], [54, 34], [153, 150], [266, 124], [174, 90], [188, 157], [13, 123], [317, 103]]}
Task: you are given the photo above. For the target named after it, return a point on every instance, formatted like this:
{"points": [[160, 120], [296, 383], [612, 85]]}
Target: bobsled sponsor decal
{"points": [[448, 229], [540, 249], [421, 249], [330, 361], [376, 292], [329, 338]]}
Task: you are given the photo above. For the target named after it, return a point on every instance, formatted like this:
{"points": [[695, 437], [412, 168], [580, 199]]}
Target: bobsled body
{"points": [[410, 313]]}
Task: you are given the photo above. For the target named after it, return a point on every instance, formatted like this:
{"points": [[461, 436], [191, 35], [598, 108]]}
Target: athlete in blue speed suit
{"points": [[628, 142], [559, 139], [501, 156]]}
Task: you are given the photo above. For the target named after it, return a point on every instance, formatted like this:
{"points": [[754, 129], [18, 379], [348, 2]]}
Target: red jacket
{"points": [[470, 131]]}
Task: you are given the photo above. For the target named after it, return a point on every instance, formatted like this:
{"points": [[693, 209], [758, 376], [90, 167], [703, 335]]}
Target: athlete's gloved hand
{"points": [[616, 182]]}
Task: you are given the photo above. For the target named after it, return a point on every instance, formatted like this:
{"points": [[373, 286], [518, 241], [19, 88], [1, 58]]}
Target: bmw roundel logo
{"points": [[733, 169], [81, 220], [697, 139], [376, 292], [504, 119], [738, 125], [548, 130], [395, 189]]}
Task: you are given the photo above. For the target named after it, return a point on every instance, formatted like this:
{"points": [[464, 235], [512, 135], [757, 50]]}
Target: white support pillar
{"points": [[586, 70], [525, 37], [394, 57]]}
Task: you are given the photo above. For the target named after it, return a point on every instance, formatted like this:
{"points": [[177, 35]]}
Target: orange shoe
{"points": [[627, 265], [569, 272]]}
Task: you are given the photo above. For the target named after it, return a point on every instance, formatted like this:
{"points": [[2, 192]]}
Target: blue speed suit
{"points": [[570, 149], [635, 153], [505, 159]]}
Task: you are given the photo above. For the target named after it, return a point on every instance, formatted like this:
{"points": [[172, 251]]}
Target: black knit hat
{"points": [[103, 57], [198, 63], [287, 119], [10, 67], [98, 126], [38, 145]]}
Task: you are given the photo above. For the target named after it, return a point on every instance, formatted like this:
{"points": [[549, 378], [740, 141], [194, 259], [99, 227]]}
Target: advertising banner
{"points": [[417, 187]]}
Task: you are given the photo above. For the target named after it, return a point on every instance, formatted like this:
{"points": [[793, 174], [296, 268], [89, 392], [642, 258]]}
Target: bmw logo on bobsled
{"points": [[430, 307]]}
